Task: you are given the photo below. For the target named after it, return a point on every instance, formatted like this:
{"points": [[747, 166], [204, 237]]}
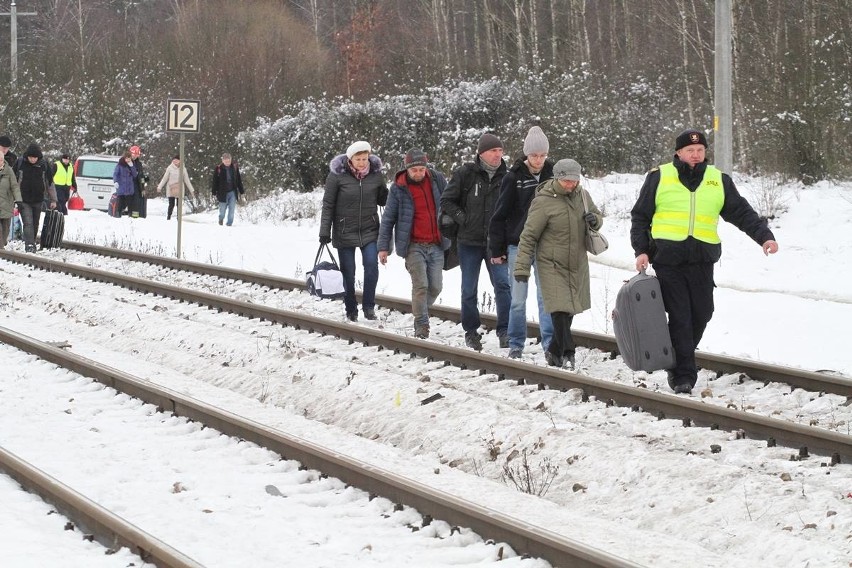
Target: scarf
{"points": [[360, 174], [489, 168]]}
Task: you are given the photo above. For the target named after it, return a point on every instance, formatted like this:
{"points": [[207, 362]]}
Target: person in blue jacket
{"points": [[124, 179], [411, 215]]}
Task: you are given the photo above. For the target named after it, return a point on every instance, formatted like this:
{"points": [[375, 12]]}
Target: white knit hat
{"points": [[357, 148], [536, 142]]}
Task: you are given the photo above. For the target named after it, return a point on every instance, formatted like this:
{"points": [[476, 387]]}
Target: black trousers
{"points": [[688, 296], [562, 342], [63, 192], [172, 203]]}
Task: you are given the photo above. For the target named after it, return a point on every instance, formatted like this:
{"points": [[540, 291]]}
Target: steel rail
{"points": [[662, 405], [106, 527], [721, 364], [525, 538]]}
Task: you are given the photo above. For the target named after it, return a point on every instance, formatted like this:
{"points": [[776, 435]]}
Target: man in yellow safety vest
{"points": [[673, 226], [64, 181]]}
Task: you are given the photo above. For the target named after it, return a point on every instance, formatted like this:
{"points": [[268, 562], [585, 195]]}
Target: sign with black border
{"points": [[183, 115]]}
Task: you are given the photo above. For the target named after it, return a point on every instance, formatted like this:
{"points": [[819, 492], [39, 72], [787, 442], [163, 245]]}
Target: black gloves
{"points": [[590, 218], [324, 240], [522, 278]]}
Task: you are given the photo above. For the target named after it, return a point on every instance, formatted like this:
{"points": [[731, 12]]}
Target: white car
{"points": [[94, 179]]}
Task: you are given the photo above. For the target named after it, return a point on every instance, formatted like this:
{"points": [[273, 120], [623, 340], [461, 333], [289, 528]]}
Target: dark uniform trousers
{"points": [[688, 296]]}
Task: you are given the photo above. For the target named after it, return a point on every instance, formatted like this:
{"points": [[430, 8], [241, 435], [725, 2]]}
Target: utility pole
{"points": [[13, 13], [723, 119]]}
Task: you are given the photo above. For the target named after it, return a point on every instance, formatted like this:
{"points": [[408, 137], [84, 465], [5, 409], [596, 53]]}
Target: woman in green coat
{"points": [[555, 233], [9, 195]]}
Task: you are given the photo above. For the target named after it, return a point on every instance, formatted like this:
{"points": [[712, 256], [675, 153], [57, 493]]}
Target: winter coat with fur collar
{"points": [[350, 214]]}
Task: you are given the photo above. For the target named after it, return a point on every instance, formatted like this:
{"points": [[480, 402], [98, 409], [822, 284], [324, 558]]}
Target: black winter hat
{"points": [[5, 141], [488, 142], [34, 150], [689, 137], [415, 157]]}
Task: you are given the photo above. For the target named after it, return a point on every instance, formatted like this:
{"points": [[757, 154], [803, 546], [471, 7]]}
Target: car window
{"points": [[96, 169]]}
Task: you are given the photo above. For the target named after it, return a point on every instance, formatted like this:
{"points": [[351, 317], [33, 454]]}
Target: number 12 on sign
{"points": [[182, 115]]}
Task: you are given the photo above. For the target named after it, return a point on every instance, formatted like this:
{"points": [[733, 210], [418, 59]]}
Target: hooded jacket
{"points": [[555, 233], [9, 190], [398, 217], [35, 180], [350, 206], [517, 191]]}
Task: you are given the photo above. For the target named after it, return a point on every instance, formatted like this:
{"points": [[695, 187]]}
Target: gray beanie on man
{"points": [[567, 169], [536, 142]]}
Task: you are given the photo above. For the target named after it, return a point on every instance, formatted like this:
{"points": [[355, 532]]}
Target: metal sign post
{"points": [[723, 141], [13, 14], [182, 116]]}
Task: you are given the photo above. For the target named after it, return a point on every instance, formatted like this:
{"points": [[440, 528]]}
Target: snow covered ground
{"points": [[619, 473]]}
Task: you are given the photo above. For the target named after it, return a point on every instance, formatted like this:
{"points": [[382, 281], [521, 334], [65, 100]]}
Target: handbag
{"points": [[325, 280], [75, 202], [596, 243]]}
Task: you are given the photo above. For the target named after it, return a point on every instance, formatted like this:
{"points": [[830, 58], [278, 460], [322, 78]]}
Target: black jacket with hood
{"points": [[35, 180], [510, 213]]}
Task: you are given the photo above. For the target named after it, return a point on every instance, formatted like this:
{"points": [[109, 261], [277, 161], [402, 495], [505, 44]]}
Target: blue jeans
{"points": [[370, 261], [230, 203], [425, 265], [518, 311], [470, 262]]}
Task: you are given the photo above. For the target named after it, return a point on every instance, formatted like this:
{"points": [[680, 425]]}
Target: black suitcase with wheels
{"points": [[53, 229], [640, 325], [140, 207]]}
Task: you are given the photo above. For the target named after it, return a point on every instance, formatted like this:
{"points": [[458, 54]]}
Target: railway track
{"points": [[432, 504], [95, 522], [803, 438], [721, 364]]}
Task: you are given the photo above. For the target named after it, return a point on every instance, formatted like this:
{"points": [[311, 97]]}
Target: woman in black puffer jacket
{"points": [[354, 190]]}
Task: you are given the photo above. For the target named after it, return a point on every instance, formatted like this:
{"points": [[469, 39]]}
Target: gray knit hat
{"points": [[536, 142], [567, 169]]}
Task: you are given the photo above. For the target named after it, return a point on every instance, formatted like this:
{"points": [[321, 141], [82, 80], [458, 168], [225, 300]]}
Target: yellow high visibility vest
{"points": [[681, 213], [63, 176]]}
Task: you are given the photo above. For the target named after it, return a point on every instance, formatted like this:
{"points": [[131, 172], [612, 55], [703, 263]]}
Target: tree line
{"points": [[94, 75]]}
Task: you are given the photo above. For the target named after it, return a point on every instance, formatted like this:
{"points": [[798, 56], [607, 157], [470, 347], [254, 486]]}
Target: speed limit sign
{"points": [[183, 115]]}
